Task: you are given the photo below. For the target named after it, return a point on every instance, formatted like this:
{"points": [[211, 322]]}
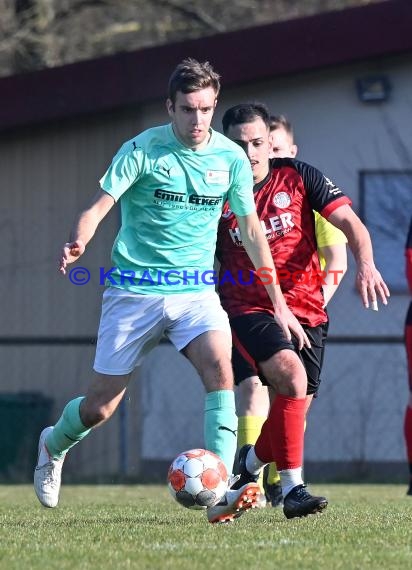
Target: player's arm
{"points": [[335, 268], [331, 243], [368, 279], [328, 199], [84, 229], [259, 252]]}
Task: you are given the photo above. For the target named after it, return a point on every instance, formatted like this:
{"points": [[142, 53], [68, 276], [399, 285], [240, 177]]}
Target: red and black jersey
{"points": [[285, 201], [408, 254]]}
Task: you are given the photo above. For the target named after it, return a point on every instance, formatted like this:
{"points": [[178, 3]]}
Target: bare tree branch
{"points": [[35, 34], [196, 12]]}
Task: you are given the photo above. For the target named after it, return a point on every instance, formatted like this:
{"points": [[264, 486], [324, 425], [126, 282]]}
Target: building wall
{"points": [[49, 173]]}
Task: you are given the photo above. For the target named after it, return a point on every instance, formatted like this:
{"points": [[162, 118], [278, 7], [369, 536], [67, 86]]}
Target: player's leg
{"points": [[272, 485], [282, 435], [210, 355], [408, 410], [312, 359], [408, 439], [252, 404], [75, 423], [286, 419], [201, 331], [82, 414], [263, 339], [126, 333]]}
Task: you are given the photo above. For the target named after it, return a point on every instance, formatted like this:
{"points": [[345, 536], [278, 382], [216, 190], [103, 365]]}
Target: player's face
{"points": [[191, 116], [282, 144], [254, 139]]}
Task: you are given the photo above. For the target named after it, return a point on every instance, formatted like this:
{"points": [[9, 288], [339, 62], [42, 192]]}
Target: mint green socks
{"points": [[68, 431], [220, 426]]}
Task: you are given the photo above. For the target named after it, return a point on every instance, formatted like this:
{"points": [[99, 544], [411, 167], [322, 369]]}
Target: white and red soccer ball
{"points": [[197, 479]]}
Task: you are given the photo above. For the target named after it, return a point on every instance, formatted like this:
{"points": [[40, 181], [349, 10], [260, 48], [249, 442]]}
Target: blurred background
{"points": [[77, 78]]}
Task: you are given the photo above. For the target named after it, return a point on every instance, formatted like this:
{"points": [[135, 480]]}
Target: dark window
{"points": [[386, 210]]}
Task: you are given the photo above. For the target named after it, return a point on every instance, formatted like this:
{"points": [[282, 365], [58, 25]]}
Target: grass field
{"points": [[140, 526]]}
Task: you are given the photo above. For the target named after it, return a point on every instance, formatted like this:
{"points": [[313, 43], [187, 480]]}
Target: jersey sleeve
{"points": [[326, 233], [324, 196], [408, 255], [240, 195], [123, 172]]}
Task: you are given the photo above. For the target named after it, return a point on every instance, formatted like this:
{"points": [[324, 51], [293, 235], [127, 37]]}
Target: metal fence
{"points": [[354, 429]]}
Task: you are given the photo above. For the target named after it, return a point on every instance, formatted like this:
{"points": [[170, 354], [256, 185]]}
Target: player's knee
{"points": [[286, 374], [217, 374], [93, 413], [292, 388], [250, 388]]}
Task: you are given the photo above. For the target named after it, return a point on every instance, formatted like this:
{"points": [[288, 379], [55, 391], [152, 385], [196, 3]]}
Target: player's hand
{"points": [[371, 286], [70, 253], [290, 325]]}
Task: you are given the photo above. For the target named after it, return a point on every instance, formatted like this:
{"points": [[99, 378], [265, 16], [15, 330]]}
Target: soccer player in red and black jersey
{"points": [[408, 345], [286, 192]]}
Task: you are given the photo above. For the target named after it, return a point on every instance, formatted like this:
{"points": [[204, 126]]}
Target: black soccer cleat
{"points": [[245, 476], [273, 492], [409, 491], [300, 503]]}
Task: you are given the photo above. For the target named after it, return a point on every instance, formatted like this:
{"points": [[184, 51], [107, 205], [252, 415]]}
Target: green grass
{"points": [[139, 526]]}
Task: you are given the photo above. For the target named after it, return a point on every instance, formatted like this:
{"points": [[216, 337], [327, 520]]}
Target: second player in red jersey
{"points": [[285, 201], [286, 192]]}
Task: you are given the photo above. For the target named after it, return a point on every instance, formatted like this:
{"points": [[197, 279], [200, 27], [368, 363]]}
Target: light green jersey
{"points": [[171, 199]]}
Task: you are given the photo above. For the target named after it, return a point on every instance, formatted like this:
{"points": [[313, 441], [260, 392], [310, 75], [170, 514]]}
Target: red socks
{"points": [[408, 432], [282, 435]]}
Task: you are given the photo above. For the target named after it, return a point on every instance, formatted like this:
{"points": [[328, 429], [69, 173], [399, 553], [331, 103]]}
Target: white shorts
{"points": [[131, 325]]}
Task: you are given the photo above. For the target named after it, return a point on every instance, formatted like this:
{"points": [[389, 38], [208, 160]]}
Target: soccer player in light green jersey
{"points": [[171, 182]]}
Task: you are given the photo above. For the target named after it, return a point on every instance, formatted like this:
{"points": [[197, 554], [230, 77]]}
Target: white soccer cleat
{"points": [[234, 503], [47, 475]]}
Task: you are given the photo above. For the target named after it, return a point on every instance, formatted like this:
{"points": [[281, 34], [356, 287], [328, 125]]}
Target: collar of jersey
{"points": [[260, 184]]}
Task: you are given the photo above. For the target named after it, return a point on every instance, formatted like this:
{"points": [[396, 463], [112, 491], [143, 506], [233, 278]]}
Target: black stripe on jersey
{"points": [[321, 190]]}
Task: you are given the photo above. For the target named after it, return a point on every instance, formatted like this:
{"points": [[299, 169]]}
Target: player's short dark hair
{"points": [[191, 75], [245, 113], [280, 121]]}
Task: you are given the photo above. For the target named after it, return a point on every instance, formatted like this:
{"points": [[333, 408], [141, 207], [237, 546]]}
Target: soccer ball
{"points": [[197, 479]]}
